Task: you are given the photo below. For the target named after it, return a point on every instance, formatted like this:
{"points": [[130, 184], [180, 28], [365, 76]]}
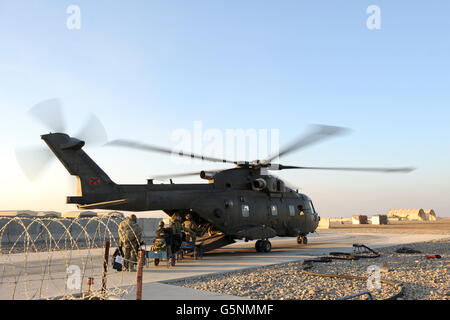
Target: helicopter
{"points": [[242, 203]]}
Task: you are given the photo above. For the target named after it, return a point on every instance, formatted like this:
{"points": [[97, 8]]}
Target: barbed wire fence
{"points": [[60, 258]]}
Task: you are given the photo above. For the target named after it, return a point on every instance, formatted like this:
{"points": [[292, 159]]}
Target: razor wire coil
{"points": [[52, 258]]}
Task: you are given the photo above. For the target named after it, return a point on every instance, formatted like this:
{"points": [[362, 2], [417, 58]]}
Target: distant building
{"points": [[79, 214], [431, 215], [324, 223], [359, 219], [407, 214], [19, 213], [49, 214], [115, 214], [8, 213], [379, 219]]}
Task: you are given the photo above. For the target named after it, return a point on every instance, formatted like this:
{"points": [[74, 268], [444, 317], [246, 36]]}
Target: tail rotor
{"points": [[34, 160]]}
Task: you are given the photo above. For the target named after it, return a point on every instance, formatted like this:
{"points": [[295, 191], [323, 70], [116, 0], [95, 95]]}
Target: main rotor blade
{"points": [[50, 113], [147, 147], [386, 170], [319, 133], [93, 131], [33, 160]]}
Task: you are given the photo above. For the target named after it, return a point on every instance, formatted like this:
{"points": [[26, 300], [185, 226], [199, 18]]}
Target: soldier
{"points": [[160, 231], [130, 238], [178, 229], [191, 228], [176, 223], [167, 235]]}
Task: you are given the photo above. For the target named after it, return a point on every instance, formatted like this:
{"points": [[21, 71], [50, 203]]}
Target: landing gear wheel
{"points": [[267, 246], [195, 253], [198, 252], [302, 240], [156, 261], [258, 246]]}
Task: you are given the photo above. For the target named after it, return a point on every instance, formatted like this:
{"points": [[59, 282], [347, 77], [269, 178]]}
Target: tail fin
{"points": [[94, 185]]}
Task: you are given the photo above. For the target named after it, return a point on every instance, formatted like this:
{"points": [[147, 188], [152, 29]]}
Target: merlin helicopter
{"points": [[246, 202]]}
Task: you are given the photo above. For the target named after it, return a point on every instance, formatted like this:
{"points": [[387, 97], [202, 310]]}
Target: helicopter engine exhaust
{"points": [[259, 184], [207, 175]]}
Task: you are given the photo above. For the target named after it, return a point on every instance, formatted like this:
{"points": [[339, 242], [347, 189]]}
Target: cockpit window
{"points": [[313, 210]]}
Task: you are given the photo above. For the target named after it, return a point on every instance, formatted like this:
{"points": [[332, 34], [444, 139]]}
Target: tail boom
{"points": [[94, 185]]}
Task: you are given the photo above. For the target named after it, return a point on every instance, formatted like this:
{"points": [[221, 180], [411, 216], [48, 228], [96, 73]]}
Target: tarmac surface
{"points": [[157, 279], [240, 256]]}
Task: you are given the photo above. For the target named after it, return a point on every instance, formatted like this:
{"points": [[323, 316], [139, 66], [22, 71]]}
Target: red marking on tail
{"points": [[94, 181]]}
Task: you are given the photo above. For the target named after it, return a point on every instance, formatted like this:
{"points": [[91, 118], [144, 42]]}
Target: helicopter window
{"points": [[292, 211], [229, 204], [300, 210], [245, 210], [313, 210], [274, 210]]}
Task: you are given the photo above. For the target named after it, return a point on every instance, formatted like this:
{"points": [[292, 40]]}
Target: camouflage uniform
{"points": [[191, 229], [177, 229], [176, 224], [130, 235], [162, 233]]}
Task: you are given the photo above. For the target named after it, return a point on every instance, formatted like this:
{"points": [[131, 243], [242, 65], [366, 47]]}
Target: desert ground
{"points": [[238, 272], [441, 226]]}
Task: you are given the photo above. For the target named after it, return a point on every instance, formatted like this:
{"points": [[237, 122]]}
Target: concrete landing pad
{"points": [[242, 255], [44, 275]]}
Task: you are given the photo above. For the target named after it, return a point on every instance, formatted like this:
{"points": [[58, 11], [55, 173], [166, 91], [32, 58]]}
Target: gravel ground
{"points": [[422, 279]]}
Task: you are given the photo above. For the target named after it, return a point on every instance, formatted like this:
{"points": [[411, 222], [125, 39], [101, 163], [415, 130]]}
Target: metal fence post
{"points": [[139, 275], [105, 267]]}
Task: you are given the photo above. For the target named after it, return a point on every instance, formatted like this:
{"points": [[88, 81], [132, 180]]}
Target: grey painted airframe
{"points": [[244, 202]]}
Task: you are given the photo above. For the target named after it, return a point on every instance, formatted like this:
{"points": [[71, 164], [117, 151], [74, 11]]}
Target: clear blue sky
{"points": [[148, 68]]}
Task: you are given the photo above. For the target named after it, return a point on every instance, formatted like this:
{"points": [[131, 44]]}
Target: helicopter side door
{"points": [[293, 218], [251, 209]]}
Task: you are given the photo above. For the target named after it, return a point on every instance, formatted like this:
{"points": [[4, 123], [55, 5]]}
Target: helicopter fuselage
{"points": [[240, 203]]}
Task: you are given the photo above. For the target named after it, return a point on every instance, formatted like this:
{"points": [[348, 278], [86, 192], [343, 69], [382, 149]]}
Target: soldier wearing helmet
{"points": [[190, 228], [130, 235], [166, 234], [160, 231], [178, 229], [176, 223]]}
